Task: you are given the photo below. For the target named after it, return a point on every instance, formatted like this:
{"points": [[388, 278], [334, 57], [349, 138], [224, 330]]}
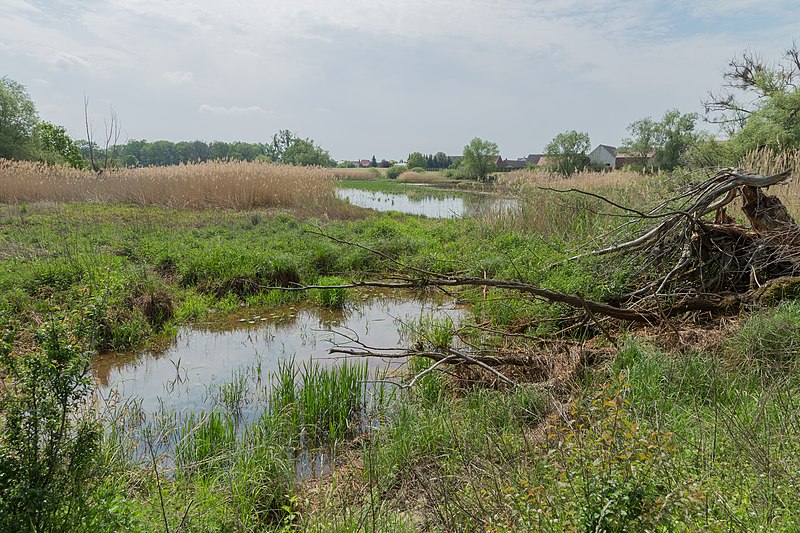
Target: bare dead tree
{"points": [[90, 135], [112, 131]]}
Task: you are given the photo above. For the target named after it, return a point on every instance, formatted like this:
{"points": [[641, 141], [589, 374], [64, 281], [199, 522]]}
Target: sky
{"points": [[380, 77]]}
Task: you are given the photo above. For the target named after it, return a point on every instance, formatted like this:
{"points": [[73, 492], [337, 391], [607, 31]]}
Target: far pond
{"points": [[432, 206]]}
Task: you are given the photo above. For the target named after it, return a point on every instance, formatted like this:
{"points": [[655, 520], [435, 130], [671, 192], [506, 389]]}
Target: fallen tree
{"points": [[692, 255]]}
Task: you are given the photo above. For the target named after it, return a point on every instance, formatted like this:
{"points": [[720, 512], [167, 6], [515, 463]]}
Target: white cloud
{"points": [[20, 5], [315, 64], [232, 110], [178, 77]]}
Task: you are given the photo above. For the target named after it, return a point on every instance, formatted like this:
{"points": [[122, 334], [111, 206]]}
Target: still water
{"points": [[182, 377], [432, 206]]}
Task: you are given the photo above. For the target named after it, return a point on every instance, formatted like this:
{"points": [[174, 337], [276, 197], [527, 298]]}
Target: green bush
{"points": [[49, 436], [395, 171]]}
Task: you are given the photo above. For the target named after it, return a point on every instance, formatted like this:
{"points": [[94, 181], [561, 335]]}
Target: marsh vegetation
{"points": [[609, 426]]}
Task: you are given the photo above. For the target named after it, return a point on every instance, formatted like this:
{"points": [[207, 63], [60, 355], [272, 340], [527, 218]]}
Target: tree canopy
{"points": [[568, 152], [18, 117], [286, 147], [667, 140], [56, 146], [417, 160], [759, 104], [479, 159]]}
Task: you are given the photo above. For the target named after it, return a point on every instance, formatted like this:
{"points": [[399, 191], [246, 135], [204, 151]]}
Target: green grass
{"points": [[652, 439], [121, 275]]}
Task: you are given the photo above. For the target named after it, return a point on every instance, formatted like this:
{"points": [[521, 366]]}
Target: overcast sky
{"points": [[383, 77]]}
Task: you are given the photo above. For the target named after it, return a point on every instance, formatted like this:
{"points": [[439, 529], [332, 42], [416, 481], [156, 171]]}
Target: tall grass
{"points": [[358, 173], [230, 185], [573, 215]]}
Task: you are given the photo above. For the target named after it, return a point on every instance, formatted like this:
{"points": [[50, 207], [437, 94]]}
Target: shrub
{"points": [[49, 436], [395, 171]]}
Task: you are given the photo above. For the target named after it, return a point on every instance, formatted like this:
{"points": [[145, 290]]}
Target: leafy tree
{"points": [[677, 136], [645, 138], [759, 104], [304, 153], [18, 117], [567, 152], [440, 160], [479, 159], [286, 147], [373, 162], [416, 160], [668, 140], [56, 146]]}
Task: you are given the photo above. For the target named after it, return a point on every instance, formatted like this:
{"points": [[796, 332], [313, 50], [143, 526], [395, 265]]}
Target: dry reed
{"points": [[767, 162], [363, 173], [229, 185], [586, 180]]}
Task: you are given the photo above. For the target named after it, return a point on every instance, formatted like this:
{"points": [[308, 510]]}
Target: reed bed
{"points": [[363, 173], [544, 209], [586, 180], [226, 184]]}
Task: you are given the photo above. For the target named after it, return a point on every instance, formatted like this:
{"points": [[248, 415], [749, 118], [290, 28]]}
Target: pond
{"points": [[429, 205], [182, 378]]}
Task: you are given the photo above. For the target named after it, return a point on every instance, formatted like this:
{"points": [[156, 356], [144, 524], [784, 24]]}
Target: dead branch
{"points": [[695, 264]]}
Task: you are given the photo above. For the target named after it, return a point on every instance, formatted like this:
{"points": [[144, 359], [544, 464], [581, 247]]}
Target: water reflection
{"points": [[432, 206], [181, 377]]}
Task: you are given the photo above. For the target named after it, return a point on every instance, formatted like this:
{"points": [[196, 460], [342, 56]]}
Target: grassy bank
{"points": [[633, 430], [120, 274]]}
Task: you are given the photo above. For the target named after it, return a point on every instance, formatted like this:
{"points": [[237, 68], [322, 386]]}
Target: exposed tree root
{"points": [[692, 263]]}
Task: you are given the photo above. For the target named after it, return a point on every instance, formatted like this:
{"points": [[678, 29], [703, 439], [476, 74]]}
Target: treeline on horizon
{"points": [[142, 153]]}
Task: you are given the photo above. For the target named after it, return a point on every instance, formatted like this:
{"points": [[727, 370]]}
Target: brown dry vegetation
{"points": [[229, 185], [363, 173]]}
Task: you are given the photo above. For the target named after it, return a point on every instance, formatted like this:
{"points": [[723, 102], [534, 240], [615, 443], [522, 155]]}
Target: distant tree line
{"points": [[436, 161], [286, 147]]}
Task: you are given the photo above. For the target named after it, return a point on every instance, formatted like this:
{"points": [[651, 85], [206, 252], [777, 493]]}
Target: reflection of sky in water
{"points": [[200, 359], [429, 206]]}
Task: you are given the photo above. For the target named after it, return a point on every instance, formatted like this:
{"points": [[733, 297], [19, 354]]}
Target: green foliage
{"points": [[417, 160], [395, 171], [479, 159], [666, 141], [49, 436], [334, 298], [759, 104], [288, 148], [567, 152], [56, 146], [18, 117]]}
